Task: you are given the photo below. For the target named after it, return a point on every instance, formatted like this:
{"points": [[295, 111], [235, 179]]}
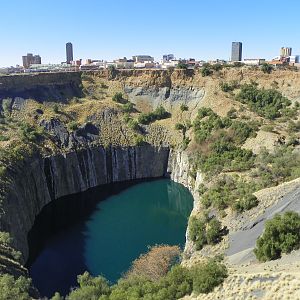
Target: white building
{"points": [[143, 58], [254, 61]]}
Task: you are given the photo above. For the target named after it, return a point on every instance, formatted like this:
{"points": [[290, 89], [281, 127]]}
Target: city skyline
{"points": [[109, 30]]}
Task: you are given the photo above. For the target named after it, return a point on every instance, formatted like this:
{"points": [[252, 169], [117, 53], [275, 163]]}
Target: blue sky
{"points": [[107, 29]]}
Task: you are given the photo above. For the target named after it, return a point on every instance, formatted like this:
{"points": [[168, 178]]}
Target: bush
{"points": [[205, 230], [246, 202], [267, 103], [73, 126], [5, 238], [139, 140], [117, 97], [29, 133], [184, 107], [89, 287], [56, 108], [182, 66], [133, 124], [266, 68], [207, 276], [179, 126], [206, 71], [128, 107], [229, 86], [156, 263], [281, 235], [158, 114], [14, 288], [228, 192]]}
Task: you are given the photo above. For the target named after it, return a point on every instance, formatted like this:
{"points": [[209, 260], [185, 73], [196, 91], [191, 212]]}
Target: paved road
{"points": [[242, 242]]}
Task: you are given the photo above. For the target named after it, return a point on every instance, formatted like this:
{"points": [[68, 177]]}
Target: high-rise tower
{"points": [[69, 52], [236, 51]]}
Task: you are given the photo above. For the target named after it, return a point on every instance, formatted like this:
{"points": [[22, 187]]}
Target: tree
{"points": [[281, 235], [206, 71], [184, 107], [11, 289], [182, 65], [266, 68], [207, 276], [89, 287], [155, 263], [117, 97]]}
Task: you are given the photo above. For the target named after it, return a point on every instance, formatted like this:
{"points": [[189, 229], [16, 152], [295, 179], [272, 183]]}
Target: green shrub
{"points": [[5, 238], [204, 230], [267, 128], [73, 125], [117, 97], [207, 276], [232, 113], [246, 202], [29, 133], [128, 107], [281, 235], [266, 68], [206, 71], [182, 66], [89, 288], [179, 126], [4, 138], [56, 108], [139, 140], [133, 124], [158, 114], [184, 107], [229, 192], [229, 86], [14, 288], [267, 103], [274, 168]]}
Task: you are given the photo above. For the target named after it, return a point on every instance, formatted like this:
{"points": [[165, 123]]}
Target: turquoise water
{"points": [[120, 228]]}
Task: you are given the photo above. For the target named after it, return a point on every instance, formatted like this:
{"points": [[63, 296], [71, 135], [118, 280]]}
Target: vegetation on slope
{"points": [[281, 235], [177, 283]]}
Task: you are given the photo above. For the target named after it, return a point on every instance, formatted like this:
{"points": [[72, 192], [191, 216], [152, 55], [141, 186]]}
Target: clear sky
{"points": [[108, 29]]}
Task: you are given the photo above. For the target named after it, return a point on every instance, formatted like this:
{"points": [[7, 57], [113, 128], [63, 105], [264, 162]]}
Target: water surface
{"points": [[120, 228]]}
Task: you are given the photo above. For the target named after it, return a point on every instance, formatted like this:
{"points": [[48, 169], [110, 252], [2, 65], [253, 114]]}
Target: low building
{"points": [[254, 61], [142, 58], [31, 59], [168, 57], [124, 63], [144, 65]]}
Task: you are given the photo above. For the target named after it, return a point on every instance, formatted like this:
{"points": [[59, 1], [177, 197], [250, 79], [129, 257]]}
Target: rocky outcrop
{"points": [[167, 96], [38, 180]]}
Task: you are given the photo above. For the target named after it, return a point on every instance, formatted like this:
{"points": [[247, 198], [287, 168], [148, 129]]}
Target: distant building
{"points": [[124, 63], [254, 61], [236, 51], [31, 59], [142, 58], [69, 52], [285, 51], [168, 57]]}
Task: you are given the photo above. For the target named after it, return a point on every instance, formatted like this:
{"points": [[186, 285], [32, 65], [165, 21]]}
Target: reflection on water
{"points": [[120, 228]]}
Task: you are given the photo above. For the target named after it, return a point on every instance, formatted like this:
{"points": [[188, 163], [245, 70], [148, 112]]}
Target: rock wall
{"points": [[179, 168], [169, 97], [41, 87], [37, 181]]}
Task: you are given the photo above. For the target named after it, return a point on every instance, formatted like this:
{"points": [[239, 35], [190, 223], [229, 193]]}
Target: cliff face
{"points": [[41, 87], [39, 180]]}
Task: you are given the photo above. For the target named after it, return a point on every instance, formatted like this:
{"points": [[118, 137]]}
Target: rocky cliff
{"points": [[41, 87], [37, 181]]}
